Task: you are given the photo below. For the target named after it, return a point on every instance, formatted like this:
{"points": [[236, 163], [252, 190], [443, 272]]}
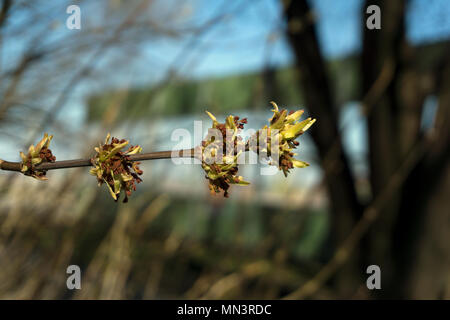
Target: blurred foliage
{"points": [[158, 246]]}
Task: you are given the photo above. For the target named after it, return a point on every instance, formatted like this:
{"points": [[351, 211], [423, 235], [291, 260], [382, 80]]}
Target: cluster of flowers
{"points": [[36, 155], [284, 127], [221, 169], [218, 161], [114, 167], [220, 151]]}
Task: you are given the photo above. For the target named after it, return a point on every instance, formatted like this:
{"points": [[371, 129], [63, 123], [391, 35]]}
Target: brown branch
{"points": [[17, 166]]}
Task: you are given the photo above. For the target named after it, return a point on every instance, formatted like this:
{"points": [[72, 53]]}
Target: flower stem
{"points": [[17, 166]]}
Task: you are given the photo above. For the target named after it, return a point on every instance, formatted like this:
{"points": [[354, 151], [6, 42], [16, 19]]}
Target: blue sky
{"points": [[248, 38], [243, 42]]}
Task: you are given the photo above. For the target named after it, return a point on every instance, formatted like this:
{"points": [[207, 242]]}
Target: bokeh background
{"points": [[377, 190]]}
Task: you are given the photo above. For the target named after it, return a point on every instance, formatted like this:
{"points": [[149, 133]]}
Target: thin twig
{"points": [[17, 166]]}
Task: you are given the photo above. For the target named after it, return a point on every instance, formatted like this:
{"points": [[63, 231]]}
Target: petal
{"points": [[35, 161], [41, 144], [299, 164], [298, 128], [117, 185], [279, 124], [212, 118], [116, 149], [136, 150], [31, 151], [215, 176], [23, 156], [275, 107], [107, 138], [230, 123], [242, 182], [126, 177], [309, 124], [47, 144], [41, 178], [294, 116], [111, 191]]}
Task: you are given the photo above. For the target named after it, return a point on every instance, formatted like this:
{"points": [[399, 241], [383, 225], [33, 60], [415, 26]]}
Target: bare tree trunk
{"points": [[421, 238], [410, 237], [387, 117], [319, 101]]}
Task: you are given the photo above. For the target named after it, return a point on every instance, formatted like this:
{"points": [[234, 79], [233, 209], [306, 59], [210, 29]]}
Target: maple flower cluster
{"points": [[285, 127], [220, 151], [36, 155], [113, 166], [218, 161]]}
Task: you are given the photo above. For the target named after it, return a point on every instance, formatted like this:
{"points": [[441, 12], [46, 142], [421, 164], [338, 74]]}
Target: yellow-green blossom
{"points": [[285, 128], [115, 168], [219, 162], [36, 155]]}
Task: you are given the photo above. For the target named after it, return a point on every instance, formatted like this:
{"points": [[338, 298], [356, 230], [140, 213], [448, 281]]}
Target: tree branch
{"points": [[17, 166]]}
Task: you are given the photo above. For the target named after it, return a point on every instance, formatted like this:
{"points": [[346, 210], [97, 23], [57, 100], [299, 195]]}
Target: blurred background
{"points": [[376, 193]]}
